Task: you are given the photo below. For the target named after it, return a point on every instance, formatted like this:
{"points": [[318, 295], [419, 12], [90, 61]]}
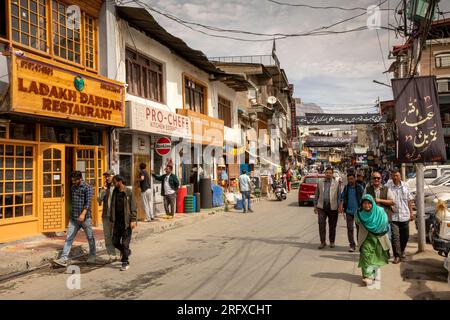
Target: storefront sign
{"points": [[163, 146], [150, 119], [205, 130], [51, 90]]}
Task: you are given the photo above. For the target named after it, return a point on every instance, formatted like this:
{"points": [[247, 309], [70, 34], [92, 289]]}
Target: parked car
{"points": [[430, 173], [308, 186], [440, 184]]}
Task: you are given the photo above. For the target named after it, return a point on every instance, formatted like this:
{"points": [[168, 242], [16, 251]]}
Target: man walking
{"points": [[326, 206], [244, 187], [349, 204], [169, 188], [123, 219], [146, 192], [401, 216], [382, 195], [104, 198], [80, 217], [360, 180]]}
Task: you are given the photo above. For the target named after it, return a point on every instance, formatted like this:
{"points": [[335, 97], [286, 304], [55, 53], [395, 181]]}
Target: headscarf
{"points": [[375, 221]]}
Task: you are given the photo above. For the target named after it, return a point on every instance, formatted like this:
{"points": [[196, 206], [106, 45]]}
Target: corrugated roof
{"points": [[141, 19]]}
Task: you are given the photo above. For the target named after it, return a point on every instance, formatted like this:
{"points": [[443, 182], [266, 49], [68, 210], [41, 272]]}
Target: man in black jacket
{"points": [[169, 188], [123, 218]]}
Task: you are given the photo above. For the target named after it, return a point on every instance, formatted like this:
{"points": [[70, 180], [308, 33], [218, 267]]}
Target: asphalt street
{"points": [[269, 254]]}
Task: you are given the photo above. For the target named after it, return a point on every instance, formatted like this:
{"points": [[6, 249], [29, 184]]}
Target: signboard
{"points": [[419, 127], [205, 130], [314, 141], [52, 90], [163, 146], [339, 119], [155, 120]]}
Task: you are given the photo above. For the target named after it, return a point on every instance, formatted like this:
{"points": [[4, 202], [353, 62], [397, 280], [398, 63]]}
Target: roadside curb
{"points": [[143, 231]]}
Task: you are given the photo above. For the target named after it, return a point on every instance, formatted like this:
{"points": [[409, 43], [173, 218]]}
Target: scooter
{"points": [[439, 232], [280, 191]]}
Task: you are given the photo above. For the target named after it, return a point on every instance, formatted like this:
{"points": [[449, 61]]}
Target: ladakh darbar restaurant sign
{"points": [[53, 91], [420, 135]]}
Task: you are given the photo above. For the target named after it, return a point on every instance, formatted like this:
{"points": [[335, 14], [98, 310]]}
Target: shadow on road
{"points": [[342, 257], [339, 276]]}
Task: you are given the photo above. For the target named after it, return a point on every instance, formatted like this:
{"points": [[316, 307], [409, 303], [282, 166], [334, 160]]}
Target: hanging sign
{"points": [[163, 146], [338, 119], [420, 135]]}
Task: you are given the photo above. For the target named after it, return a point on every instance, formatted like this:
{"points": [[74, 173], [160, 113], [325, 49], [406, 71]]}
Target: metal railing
{"points": [[267, 60]]}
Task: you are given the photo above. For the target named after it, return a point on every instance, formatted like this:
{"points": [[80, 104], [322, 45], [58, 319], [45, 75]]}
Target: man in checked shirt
{"points": [[80, 217]]}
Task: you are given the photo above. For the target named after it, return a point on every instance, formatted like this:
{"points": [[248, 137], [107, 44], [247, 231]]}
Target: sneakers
{"points": [[352, 249], [322, 245], [332, 245], [112, 259], [91, 260], [61, 262], [250, 210], [125, 266]]}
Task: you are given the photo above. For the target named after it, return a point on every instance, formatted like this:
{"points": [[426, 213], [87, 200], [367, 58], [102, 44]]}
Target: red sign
{"points": [[163, 146]]}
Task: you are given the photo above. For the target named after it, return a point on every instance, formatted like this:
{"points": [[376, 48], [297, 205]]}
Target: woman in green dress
{"points": [[373, 239]]}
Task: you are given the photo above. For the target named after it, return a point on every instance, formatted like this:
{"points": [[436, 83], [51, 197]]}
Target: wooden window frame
{"points": [[438, 57], [148, 69], [49, 34], [224, 107], [200, 83]]}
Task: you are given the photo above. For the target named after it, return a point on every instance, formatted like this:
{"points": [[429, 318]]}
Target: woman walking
{"points": [[373, 238]]}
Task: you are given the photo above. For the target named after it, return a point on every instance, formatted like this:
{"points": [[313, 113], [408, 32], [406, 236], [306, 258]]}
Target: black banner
{"points": [[419, 129], [314, 141], [337, 119]]}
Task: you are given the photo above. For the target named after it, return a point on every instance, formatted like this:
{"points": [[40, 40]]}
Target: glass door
{"points": [[52, 159]]}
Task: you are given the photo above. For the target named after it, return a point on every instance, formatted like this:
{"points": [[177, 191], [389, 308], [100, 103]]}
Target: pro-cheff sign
{"points": [[155, 120], [163, 146]]}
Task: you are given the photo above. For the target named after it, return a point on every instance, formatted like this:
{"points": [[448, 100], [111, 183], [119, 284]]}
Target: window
{"points": [[144, 76], [29, 23], [90, 137], [22, 131], [430, 174], [194, 96], [72, 40], [56, 134], [126, 156], [311, 180], [443, 85], [225, 111], [16, 181], [442, 60]]}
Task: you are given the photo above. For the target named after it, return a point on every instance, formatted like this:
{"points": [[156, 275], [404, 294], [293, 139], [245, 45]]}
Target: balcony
{"points": [[266, 60]]}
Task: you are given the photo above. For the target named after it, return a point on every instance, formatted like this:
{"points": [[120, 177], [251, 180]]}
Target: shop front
{"points": [[135, 145], [207, 137], [57, 121]]}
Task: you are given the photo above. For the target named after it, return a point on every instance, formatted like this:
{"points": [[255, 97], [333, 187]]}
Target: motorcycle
{"points": [[279, 191]]}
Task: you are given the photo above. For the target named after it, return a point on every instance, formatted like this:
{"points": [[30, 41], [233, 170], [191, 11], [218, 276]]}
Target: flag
{"points": [[420, 137]]}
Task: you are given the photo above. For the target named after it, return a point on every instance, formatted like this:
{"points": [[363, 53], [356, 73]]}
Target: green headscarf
{"points": [[375, 221]]}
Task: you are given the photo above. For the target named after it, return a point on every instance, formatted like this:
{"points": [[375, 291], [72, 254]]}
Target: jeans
{"points": [[121, 240], [332, 216], [350, 219], [107, 231], [246, 195], [169, 200], [400, 237], [147, 200], [74, 227]]}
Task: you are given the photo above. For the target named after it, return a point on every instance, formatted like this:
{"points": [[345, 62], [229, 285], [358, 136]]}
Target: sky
{"points": [[333, 71]]}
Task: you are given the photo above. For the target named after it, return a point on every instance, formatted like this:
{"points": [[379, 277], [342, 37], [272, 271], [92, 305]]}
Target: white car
{"points": [[430, 173], [440, 184]]}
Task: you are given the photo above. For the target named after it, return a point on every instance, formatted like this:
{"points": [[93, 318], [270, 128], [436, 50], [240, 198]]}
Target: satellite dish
{"points": [[271, 100]]}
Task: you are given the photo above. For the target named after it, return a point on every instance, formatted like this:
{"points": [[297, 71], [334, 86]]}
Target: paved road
{"points": [[269, 254]]}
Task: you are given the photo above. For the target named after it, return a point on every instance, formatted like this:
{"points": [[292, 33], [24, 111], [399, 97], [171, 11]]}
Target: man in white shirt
{"points": [[244, 187], [402, 214]]}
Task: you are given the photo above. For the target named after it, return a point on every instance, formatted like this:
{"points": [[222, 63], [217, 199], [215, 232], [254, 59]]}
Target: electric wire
{"points": [[319, 7]]}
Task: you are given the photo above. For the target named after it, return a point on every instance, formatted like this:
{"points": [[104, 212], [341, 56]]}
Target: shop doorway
{"points": [[53, 175]]}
